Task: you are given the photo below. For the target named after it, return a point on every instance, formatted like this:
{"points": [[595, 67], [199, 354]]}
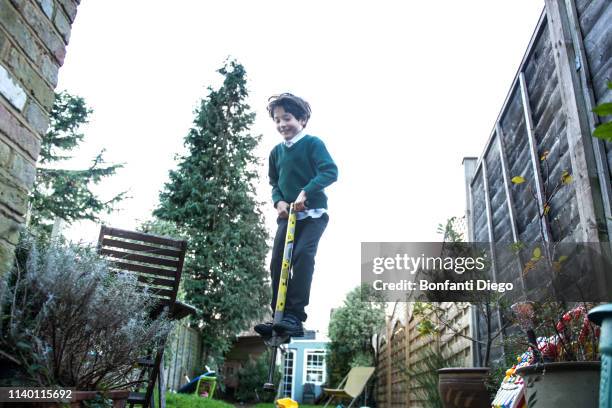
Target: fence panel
{"points": [[538, 118], [401, 350], [563, 74], [183, 356]]}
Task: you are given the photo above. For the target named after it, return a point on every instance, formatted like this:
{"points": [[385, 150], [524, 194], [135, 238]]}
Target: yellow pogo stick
{"points": [[276, 339]]}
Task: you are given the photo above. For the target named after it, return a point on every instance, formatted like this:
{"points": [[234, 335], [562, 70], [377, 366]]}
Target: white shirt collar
{"points": [[295, 138]]}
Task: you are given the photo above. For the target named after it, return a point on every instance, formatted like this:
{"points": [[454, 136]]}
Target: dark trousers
{"points": [[307, 235]]}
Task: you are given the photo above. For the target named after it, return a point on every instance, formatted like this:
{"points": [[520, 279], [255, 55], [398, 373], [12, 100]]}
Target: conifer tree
{"points": [[211, 198], [62, 192]]}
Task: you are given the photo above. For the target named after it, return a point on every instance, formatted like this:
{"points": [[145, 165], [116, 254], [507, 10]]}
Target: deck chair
{"points": [[157, 262], [351, 386]]}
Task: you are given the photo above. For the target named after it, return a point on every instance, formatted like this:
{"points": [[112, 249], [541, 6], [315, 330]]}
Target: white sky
{"points": [[401, 91]]}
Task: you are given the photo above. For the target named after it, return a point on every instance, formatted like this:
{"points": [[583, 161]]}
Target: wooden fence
{"points": [[182, 356], [562, 76], [400, 350]]}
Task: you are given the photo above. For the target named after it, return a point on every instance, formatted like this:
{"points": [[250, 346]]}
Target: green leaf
{"points": [[516, 247], [518, 179], [563, 258], [604, 132], [603, 109], [566, 178], [425, 327], [537, 253]]}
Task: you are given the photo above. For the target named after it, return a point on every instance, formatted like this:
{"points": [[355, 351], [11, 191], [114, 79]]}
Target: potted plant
{"points": [[561, 367], [67, 321]]}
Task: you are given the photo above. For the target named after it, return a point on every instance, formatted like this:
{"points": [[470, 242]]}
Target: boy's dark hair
{"points": [[295, 105]]}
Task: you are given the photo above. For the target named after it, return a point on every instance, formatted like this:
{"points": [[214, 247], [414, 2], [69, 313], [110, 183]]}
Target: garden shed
{"points": [[304, 362]]}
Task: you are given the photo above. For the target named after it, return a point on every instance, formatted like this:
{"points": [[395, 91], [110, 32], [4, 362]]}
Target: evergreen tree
{"points": [[66, 193], [211, 198]]}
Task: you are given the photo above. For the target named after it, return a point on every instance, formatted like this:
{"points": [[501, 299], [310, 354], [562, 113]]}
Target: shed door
{"points": [[288, 374]]}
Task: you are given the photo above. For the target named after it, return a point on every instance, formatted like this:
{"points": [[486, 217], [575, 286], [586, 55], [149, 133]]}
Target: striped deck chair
{"points": [[351, 386]]}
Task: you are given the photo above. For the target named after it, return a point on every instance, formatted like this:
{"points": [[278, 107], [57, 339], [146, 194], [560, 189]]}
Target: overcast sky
{"points": [[400, 91]]}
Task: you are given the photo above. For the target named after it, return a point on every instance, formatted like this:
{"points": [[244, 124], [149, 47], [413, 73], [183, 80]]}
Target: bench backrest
{"points": [[156, 260]]}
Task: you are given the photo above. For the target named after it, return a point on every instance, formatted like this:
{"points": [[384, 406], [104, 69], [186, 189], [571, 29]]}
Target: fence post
{"points": [[189, 366], [469, 168], [494, 263], [578, 136], [599, 149]]}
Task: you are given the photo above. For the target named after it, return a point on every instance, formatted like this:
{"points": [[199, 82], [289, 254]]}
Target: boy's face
{"points": [[286, 124]]}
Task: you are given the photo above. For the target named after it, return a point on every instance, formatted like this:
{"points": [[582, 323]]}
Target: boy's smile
{"points": [[286, 124]]}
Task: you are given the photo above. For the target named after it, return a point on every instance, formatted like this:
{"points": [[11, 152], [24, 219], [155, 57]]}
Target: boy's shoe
{"points": [[289, 326], [264, 329]]}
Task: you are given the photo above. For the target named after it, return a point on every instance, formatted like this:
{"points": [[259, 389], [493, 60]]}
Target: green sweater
{"points": [[306, 166]]}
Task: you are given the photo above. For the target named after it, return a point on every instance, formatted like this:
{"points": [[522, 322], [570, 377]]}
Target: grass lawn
{"points": [[193, 401], [271, 405], [174, 400]]}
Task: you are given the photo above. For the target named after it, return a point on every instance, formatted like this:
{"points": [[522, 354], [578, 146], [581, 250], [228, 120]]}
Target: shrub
{"points": [[351, 328], [252, 377], [67, 320]]}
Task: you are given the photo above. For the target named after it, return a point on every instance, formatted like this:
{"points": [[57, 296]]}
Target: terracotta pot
{"points": [[119, 398], [464, 387], [562, 385]]}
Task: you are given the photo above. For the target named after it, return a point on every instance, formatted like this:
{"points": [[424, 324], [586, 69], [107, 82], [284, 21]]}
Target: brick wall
{"points": [[33, 39]]}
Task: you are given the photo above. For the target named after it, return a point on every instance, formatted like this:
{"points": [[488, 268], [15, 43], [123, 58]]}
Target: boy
{"points": [[299, 169]]}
